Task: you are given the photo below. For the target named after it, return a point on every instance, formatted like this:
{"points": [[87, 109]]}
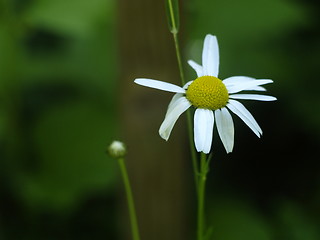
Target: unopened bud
{"points": [[117, 149]]}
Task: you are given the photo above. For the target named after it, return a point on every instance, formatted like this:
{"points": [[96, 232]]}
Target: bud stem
{"points": [[130, 201]]}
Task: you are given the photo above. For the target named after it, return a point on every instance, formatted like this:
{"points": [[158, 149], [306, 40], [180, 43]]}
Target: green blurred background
{"points": [[62, 64]]}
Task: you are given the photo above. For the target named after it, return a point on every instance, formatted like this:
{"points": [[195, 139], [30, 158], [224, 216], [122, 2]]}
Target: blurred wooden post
{"points": [[157, 168]]}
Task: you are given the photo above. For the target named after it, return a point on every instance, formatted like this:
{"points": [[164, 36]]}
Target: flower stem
{"points": [[176, 44], [201, 195], [193, 152], [189, 118], [130, 201]]}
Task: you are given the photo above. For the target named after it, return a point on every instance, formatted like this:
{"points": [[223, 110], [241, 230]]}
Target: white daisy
{"points": [[212, 98]]}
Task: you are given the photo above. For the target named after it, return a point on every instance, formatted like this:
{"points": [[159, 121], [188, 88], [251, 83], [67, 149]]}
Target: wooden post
{"points": [[157, 168]]}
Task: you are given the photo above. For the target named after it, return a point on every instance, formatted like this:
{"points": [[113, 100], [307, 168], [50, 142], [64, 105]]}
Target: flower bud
{"points": [[117, 149]]}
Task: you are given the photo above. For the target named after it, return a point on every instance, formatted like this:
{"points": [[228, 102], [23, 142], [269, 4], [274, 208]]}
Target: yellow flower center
{"points": [[208, 92]]}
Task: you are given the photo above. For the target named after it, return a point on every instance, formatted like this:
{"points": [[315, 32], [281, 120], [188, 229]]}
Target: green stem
{"points": [[173, 19], [132, 212], [201, 195], [193, 151], [189, 118], [176, 43]]}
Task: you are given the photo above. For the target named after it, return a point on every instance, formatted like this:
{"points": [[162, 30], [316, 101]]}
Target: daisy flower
{"points": [[212, 98]]}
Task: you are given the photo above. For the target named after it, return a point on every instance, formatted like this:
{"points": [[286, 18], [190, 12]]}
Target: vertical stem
{"points": [[201, 195], [176, 44], [132, 211], [189, 118], [193, 152]]}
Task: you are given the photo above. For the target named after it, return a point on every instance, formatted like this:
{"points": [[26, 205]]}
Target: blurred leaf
{"points": [[71, 142], [91, 58], [9, 58], [296, 224], [70, 17], [247, 19], [3, 119], [232, 219]]}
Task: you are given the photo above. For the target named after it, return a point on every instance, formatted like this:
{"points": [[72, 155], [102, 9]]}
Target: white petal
{"points": [[197, 67], [231, 81], [187, 84], [240, 110], [247, 85], [180, 106], [225, 128], [210, 56], [203, 129], [173, 102], [253, 97], [257, 88], [159, 85]]}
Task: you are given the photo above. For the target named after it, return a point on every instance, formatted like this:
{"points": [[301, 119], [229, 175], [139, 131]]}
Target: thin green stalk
{"points": [[173, 20], [173, 15], [193, 151], [189, 118], [201, 195], [176, 43], [132, 212]]}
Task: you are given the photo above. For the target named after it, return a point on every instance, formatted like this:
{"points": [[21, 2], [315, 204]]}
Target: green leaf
{"points": [[71, 17], [234, 219], [296, 223], [71, 142]]}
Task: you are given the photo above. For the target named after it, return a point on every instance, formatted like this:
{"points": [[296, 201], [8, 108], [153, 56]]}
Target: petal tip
{"points": [[209, 35], [140, 81], [229, 149], [164, 136], [206, 151]]}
